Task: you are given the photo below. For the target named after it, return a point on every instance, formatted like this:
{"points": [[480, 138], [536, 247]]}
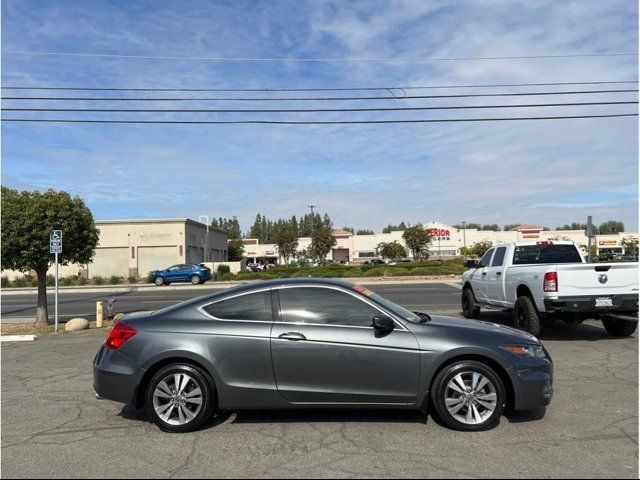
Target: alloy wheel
{"points": [[177, 399], [471, 398]]}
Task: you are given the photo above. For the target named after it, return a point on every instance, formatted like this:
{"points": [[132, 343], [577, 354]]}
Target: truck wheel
{"points": [[469, 307], [525, 316], [618, 327]]}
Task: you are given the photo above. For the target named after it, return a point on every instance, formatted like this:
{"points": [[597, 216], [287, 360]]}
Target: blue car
{"points": [[185, 272]]}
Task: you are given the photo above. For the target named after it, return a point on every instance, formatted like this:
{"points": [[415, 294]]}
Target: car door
{"points": [[185, 272], [494, 277], [479, 276], [172, 273], [325, 350]]}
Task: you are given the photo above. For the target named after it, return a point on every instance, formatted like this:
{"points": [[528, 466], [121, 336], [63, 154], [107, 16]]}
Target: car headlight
{"points": [[526, 351]]}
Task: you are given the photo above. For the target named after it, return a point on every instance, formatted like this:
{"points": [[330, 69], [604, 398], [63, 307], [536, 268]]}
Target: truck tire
{"points": [[618, 327], [526, 317], [469, 307]]}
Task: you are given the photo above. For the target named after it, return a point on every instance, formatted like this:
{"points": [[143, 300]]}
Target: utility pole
{"points": [[589, 237], [464, 238], [206, 240]]}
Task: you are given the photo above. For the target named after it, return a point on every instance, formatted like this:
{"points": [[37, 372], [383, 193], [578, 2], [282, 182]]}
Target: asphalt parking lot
{"points": [[53, 426]]}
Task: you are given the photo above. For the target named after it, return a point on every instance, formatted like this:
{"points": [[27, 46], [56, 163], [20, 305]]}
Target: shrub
{"points": [[5, 282], [132, 279], [228, 275], [20, 282], [222, 269], [114, 279], [68, 281], [32, 281], [82, 280], [98, 280]]}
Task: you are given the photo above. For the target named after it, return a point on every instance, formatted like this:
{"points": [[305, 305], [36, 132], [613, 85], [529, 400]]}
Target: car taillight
{"points": [[551, 282], [119, 335]]}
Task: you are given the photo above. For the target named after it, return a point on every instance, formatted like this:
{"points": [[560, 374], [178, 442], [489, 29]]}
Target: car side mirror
{"points": [[471, 264], [383, 323]]}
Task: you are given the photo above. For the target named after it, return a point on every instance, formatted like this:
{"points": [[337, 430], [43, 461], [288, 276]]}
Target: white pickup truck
{"points": [[550, 280]]}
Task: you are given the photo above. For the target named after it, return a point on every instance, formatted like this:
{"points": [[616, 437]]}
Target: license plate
{"points": [[604, 302]]}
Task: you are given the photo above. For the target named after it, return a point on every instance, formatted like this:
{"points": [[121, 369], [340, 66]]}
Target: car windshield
{"points": [[389, 305]]}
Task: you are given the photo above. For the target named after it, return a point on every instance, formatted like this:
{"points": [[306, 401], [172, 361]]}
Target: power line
{"points": [[335, 89], [285, 99], [311, 110], [328, 122], [298, 59]]}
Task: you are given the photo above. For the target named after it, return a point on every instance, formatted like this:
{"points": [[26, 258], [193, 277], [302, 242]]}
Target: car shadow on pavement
{"points": [[555, 330]]}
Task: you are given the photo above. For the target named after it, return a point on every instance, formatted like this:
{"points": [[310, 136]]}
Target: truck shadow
{"points": [[591, 330]]}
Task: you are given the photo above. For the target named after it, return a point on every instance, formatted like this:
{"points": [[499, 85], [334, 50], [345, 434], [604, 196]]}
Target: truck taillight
{"points": [[550, 282], [119, 335]]}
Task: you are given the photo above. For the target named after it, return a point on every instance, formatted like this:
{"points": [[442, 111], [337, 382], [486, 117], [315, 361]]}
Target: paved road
{"points": [[53, 427], [20, 308]]}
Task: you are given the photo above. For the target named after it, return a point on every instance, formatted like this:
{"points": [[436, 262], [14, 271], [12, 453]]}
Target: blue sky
{"points": [[365, 176]]}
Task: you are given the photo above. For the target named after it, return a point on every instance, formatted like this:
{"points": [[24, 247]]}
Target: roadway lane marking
{"points": [[454, 285], [17, 338]]}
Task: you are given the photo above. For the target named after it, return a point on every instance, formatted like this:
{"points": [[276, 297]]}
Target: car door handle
{"points": [[293, 336], [499, 274], [484, 273]]}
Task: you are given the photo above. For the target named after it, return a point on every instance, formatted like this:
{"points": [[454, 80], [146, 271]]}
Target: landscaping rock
{"points": [[76, 325], [117, 317]]}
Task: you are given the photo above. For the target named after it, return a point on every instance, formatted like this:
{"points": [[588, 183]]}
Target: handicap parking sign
{"points": [[55, 241]]}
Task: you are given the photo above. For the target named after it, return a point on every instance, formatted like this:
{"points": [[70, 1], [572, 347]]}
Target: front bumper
{"points": [[587, 304], [115, 377], [532, 381]]}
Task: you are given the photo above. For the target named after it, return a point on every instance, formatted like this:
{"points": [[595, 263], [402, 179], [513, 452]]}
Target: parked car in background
{"points": [[314, 343], [399, 260], [550, 280], [375, 261], [185, 272]]}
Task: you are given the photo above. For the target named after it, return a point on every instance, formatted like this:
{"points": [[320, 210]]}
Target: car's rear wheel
{"points": [[618, 327], [195, 279], [525, 316], [179, 398], [468, 396], [159, 281], [469, 307]]}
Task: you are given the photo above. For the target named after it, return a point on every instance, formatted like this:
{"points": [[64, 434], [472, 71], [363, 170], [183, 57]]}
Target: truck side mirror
{"points": [[471, 264]]}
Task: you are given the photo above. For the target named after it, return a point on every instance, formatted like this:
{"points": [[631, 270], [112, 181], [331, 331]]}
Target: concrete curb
{"points": [[17, 338], [220, 285]]}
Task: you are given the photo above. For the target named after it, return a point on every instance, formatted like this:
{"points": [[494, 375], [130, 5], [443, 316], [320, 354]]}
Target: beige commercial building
{"points": [[136, 247], [446, 242]]}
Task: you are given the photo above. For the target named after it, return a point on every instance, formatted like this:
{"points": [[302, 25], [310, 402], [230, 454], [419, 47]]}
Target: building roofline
{"points": [[160, 220]]}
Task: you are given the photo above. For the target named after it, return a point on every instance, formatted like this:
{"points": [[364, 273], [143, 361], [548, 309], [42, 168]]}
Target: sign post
{"points": [[55, 247]]}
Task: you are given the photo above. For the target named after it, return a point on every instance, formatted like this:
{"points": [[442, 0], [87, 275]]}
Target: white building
{"points": [[446, 242]]}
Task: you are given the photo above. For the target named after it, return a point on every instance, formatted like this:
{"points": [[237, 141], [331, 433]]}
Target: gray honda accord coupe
{"points": [[312, 343]]}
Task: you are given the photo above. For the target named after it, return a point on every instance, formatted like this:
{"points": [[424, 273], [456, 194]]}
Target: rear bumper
{"points": [[587, 304], [532, 381], [115, 377]]}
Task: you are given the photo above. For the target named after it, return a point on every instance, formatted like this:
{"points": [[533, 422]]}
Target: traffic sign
{"points": [[55, 241]]}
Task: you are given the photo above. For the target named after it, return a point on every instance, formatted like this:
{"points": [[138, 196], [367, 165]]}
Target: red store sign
{"points": [[439, 232]]}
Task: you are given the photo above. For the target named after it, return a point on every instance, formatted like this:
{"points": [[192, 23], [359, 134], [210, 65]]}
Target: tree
{"points": [[392, 250], [511, 226], [395, 228], [491, 228], [322, 241], [229, 225], [348, 229], [235, 250], [611, 226], [286, 241], [417, 240], [365, 232], [630, 245], [480, 248], [27, 221]]}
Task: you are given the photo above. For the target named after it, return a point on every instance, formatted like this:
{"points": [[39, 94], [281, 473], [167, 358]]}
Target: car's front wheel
{"points": [[469, 396], [159, 281], [179, 398]]}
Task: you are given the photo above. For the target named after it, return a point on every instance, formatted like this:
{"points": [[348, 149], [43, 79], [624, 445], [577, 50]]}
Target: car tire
{"points": [[471, 416], [526, 317], [159, 281], [469, 307], [185, 414], [195, 279], [618, 327]]}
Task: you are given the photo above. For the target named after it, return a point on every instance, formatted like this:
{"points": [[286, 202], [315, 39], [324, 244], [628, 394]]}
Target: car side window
{"points": [[186, 267], [253, 306], [324, 306], [174, 268], [498, 258], [486, 259]]}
